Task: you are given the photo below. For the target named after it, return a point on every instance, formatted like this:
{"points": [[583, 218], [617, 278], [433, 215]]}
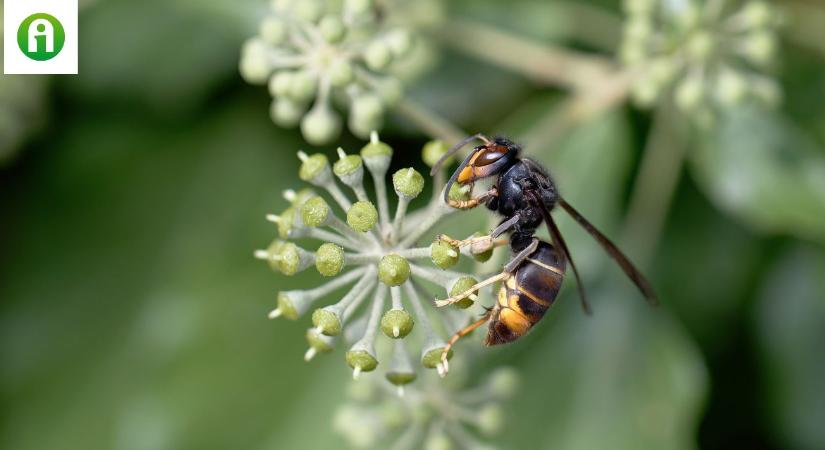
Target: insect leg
{"points": [[482, 243], [473, 202], [471, 290], [506, 225], [521, 256], [458, 335]]}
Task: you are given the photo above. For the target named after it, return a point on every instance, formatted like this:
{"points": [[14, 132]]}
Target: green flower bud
{"points": [[393, 270], [662, 71], [504, 382], [438, 440], [645, 94], [397, 323], [480, 252], [400, 378], [401, 371], [358, 7], [422, 415], [390, 90], [376, 149], [433, 151], [327, 321], [361, 360], [638, 28], [297, 199], [364, 392], [689, 94], [377, 55], [340, 73], [293, 259], [431, 358], [347, 165], [760, 47], [309, 10], [731, 87], [688, 16], [700, 46], [274, 249], [332, 28], [280, 83], [366, 115], [273, 30], [639, 6], [320, 126], [399, 41], [329, 259], [443, 254], [314, 212], [461, 285], [285, 222], [394, 414], [632, 52], [490, 420], [757, 14], [408, 183], [314, 168], [253, 69], [362, 216], [285, 112], [302, 86], [361, 126], [319, 342], [376, 155], [459, 193], [291, 305]]}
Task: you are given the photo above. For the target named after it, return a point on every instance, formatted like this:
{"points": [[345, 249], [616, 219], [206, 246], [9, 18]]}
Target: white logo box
{"points": [[15, 12]]}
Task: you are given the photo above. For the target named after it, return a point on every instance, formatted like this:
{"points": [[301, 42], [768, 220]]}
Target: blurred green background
{"points": [[133, 316]]}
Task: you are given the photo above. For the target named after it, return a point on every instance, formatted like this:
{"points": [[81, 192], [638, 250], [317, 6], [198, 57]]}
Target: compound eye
{"points": [[487, 157]]}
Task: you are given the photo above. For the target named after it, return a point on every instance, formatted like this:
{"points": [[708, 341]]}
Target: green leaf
{"points": [[626, 378], [763, 170], [154, 54], [133, 313], [790, 331]]}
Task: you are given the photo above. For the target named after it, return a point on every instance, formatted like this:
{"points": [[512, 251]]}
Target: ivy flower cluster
{"points": [[709, 54], [434, 415], [377, 254], [316, 53]]}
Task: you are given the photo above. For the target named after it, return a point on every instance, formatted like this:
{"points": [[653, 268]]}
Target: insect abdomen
{"points": [[540, 277], [526, 295]]}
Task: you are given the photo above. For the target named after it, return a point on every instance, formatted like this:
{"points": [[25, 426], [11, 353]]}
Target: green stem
{"points": [[542, 62], [593, 25], [806, 20], [655, 185], [605, 95], [429, 122]]}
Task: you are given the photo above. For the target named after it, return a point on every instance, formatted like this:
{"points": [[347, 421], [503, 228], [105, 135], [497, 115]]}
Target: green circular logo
{"points": [[41, 37]]}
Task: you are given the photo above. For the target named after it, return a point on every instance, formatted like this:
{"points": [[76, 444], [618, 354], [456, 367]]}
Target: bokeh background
{"points": [[133, 316]]}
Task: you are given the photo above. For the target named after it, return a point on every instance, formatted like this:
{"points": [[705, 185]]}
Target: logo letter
{"points": [[41, 27]]}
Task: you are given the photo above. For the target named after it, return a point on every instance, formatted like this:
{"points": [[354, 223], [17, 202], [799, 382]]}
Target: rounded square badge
{"points": [[40, 37]]}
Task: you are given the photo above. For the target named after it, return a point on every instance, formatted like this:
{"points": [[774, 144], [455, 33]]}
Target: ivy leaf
{"points": [[765, 171], [626, 378], [790, 330], [171, 70]]}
